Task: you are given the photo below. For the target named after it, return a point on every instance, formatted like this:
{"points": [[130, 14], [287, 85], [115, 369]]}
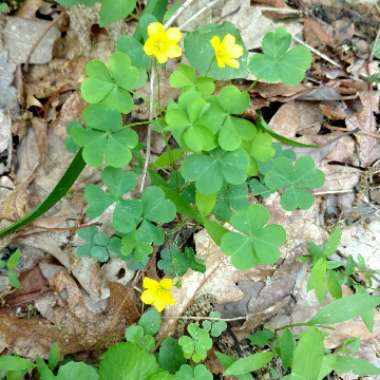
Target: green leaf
{"points": [[360, 367], [318, 279], [205, 202], [376, 49], [184, 77], [4, 8], [126, 361], [54, 354], [115, 10], [13, 279], [233, 101], [168, 159], [215, 327], [199, 372], [156, 207], [77, 371], [62, 187], [286, 348], [14, 259], [278, 62], [230, 199], [197, 345], [170, 355], [98, 201], [308, 355], [249, 364], [157, 8], [14, 363], [210, 172], [135, 334], [261, 338], [296, 179], [134, 49], [111, 84], [69, 3], [346, 308], [255, 241], [262, 148], [150, 321], [201, 55], [333, 242]]}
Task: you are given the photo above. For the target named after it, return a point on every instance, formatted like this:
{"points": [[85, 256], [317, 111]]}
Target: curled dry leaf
{"points": [[71, 324]]}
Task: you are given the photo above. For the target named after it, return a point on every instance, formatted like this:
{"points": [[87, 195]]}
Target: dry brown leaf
{"points": [[316, 34], [365, 121], [75, 327]]}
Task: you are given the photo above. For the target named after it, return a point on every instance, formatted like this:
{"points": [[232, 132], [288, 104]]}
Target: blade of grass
{"points": [[60, 190]]}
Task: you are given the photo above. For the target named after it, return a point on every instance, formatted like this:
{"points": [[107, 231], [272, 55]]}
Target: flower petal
{"points": [[220, 61], [149, 283], [155, 29], [168, 298], [159, 305], [149, 46], [215, 42], [174, 35], [166, 283], [148, 297], [174, 51], [233, 63], [161, 57]]}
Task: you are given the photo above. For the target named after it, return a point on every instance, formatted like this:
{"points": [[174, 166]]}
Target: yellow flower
{"points": [[157, 293], [227, 51], [161, 43]]}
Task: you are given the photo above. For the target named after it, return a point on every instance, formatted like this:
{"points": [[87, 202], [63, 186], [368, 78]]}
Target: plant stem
{"points": [[149, 131], [302, 324], [180, 10]]}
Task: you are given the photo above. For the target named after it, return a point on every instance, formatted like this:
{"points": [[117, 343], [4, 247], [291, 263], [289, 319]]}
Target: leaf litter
{"points": [[332, 106]]}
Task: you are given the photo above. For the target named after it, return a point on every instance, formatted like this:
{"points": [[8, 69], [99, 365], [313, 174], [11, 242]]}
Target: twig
{"points": [[180, 10], [342, 191], [197, 14], [39, 40], [317, 52], [195, 318], [149, 131]]}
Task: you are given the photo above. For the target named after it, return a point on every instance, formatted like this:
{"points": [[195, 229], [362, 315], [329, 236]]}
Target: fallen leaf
{"points": [[72, 326], [317, 34]]}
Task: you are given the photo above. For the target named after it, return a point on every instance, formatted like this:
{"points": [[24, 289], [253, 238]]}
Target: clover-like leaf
{"points": [[210, 172], [104, 140], [175, 262], [111, 84], [135, 252], [135, 334], [156, 207], [215, 327], [98, 244], [295, 180], [199, 372], [278, 62], [186, 121], [185, 78], [134, 48], [119, 183], [201, 54], [261, 147], [254, 241], [231, 198], [196, 346]]}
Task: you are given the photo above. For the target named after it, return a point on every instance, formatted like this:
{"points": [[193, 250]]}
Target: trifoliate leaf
{"points": [[201, 54], [278, 62], [231, 198], [156, 207], [170, 355], [98, 244], [210, 172], [255, 241], [214, 327], [261, 147], [125, 361], [135, 334], [197, 345], [185, 78], [295, 179], [104, 140], [259, 189], [111, 84], [199, 372]]}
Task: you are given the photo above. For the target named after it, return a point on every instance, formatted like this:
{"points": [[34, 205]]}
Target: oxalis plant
{"points": [[217, 166]]}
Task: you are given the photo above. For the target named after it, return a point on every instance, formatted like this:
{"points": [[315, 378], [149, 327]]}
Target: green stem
{"points": [[62, 187], [303, 324]]}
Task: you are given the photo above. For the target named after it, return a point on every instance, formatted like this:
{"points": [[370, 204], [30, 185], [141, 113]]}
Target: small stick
{"points": [[180, 10], [317, 52], [195, 318], [197, 14]]}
